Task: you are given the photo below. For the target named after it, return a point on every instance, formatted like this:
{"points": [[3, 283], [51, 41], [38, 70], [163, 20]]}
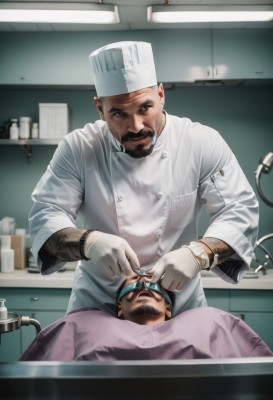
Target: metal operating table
{"points": [[239, 379]]}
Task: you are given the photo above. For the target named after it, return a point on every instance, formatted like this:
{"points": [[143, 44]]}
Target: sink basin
{"points": [[249, 275], [250, 281]]}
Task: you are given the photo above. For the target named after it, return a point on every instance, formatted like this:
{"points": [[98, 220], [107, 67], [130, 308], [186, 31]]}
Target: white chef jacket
{"points": [[152, 202]]}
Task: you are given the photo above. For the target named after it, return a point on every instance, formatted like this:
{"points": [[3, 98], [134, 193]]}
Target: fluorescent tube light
{"points": [[210, 13], [75, 13]]}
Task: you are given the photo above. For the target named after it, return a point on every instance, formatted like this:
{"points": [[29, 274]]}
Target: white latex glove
{"points": [[111, 253], [178, 267]]}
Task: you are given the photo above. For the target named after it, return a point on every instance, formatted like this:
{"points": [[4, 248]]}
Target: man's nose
{"points": [[144, 278], [135, 123]]}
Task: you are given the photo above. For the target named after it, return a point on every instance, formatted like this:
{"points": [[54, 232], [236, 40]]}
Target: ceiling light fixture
{"points": [[72, 13], [210, 13]]}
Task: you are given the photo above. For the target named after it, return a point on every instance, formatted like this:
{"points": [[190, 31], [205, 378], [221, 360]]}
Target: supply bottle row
{"points": [[7, 254], [25, 129], [12, 246], [53, 123]]}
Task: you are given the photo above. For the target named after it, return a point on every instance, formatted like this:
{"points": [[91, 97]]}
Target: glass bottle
{"points": [[14, 129]]}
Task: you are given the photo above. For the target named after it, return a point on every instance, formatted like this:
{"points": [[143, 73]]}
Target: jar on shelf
{"points": [[14, 129], [24, 129], [35, 130]]}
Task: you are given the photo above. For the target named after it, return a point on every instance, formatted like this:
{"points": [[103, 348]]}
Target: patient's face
{"points": [[143, 306]]}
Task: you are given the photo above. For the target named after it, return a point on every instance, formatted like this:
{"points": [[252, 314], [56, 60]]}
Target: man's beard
{"points": [[144, 309], [139, 151]]}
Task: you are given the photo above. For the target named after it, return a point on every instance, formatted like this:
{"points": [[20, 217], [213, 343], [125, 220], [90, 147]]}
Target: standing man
{"points": [[125, 192]]}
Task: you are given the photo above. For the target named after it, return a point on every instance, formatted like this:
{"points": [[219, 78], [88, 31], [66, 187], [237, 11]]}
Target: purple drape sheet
{"points": [[93, 335]]}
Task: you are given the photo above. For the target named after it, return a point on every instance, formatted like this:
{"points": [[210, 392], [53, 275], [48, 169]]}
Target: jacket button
{"points": [[164, 154], [160, 195]]}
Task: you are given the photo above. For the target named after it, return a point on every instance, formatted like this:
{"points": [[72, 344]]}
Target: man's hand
{"points": [[178, 267], [111, 253]]}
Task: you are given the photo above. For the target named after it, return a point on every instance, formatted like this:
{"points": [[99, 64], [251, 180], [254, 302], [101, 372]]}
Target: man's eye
{"points": [[145, 108], [119, 114]]}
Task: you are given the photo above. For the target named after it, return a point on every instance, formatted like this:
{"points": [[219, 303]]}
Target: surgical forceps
{"points": [[142, 271]]}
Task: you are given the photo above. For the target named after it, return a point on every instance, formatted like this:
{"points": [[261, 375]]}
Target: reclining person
{"points": [[145, 330]]}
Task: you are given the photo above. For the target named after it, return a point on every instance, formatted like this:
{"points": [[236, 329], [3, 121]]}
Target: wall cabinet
{"points": [[48, 305], [37, 59], [184, 56], [181, 55], [45, 305], [242, 54], [255, 307]]}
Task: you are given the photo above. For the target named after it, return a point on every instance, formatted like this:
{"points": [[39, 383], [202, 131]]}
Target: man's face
{"points": [[143, 306], [135, 119]]}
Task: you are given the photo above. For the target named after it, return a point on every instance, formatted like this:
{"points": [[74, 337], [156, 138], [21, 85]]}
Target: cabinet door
{"points": [[243, 54], [182, 56], [44, 305], [262, 324], [255, 307], [44, 59], [31, 299], [45, 318], [218, 298], [10, 346]]}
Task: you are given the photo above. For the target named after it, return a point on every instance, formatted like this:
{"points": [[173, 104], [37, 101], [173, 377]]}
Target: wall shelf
{"points": [[26, 144], [30, 142]]}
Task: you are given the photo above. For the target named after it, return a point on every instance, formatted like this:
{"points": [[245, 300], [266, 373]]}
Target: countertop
{"points": [[64, 280], [25, 279]]}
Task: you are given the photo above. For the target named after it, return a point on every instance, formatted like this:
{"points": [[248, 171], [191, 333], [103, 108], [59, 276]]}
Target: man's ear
{"points": [[99, 107], [161, 94], [168, 314], [119, 312]]}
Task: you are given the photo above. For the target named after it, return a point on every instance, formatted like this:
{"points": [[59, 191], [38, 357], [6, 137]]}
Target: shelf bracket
{"points": [[27, 149]]}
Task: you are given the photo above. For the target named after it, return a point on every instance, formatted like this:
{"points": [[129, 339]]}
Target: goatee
{"points": [[139, 151], [143, 309]]}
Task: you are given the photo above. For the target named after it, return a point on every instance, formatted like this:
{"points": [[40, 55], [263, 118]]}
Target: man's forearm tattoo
{"points": [[219, 247], [62, 246]]}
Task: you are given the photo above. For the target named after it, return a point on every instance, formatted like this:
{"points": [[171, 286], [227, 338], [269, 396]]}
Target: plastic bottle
{"points": [[14, 130], [7, 255], [8, 226], [35, 130], [3, 310], [24, 131]]}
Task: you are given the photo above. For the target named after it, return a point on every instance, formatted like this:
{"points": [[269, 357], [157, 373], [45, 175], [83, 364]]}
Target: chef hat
{"points": [[123, 67]]}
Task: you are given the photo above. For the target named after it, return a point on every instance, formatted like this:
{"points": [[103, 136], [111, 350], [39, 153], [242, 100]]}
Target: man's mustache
{"points": [[143, 133]]}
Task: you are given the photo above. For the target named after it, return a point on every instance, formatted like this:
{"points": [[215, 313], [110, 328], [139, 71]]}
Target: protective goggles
{"points": [[155, 287]]}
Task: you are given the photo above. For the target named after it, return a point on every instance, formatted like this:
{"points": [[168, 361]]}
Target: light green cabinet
{"points": [[44, 305], [44, 317], [180, 55], [28, 59], [10, 346], [242, 54], [218, 298], [255, 307]]}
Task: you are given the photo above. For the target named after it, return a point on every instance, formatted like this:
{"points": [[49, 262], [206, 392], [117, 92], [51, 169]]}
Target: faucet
{"points": [[263, 267], [12, 321]]}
